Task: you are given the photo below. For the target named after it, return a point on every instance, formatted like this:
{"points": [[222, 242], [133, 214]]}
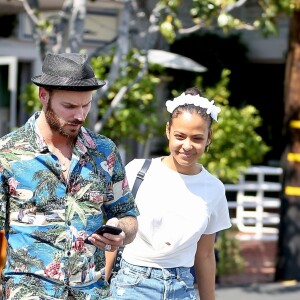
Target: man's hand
{"points": [[107, 241]]}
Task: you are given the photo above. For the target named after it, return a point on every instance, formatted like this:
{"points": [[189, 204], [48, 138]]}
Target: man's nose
{"points": [[79, 114]]}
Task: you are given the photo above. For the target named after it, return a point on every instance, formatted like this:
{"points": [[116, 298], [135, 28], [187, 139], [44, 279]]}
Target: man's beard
{"points": [[53, 122]]}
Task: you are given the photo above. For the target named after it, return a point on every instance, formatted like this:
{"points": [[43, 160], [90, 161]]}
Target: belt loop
{"points": [[148, 272], [178, 273]]}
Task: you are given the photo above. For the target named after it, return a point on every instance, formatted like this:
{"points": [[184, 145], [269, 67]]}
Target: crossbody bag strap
{"points": [[138, 180], [140, 176]]}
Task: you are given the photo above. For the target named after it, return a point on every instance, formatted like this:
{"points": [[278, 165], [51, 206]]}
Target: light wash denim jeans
{"points": [[142, 283]]}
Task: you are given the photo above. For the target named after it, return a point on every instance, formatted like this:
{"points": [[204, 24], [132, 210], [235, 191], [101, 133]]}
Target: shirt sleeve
{"points": [[219, 218]]}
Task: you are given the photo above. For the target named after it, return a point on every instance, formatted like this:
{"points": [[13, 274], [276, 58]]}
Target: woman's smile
{"points": [[186, 154]]}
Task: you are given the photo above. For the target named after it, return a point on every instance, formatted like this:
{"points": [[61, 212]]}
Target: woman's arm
{"points": [[205, 267]]}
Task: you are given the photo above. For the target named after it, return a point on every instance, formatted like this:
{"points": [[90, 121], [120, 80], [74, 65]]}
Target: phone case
{"points": [[108, 229]]}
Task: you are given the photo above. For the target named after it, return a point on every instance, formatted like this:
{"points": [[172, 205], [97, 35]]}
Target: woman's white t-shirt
{"points": [[175, 210]]}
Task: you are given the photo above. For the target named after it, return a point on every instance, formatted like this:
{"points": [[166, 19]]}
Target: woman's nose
{"points": [[187, 145]]}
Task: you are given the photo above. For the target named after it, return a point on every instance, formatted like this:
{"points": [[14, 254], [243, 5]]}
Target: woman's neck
{"points": [[171, 163]]}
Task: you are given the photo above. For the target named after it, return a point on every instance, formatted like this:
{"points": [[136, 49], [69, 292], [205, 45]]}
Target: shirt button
{"points": [[69, 223], [68, 253]]}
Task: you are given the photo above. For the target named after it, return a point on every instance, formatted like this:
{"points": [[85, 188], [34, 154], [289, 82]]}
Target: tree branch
{"points": [[30, 12]]}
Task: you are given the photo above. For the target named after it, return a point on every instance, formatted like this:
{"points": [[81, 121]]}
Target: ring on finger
{"points": [[107, 247]]}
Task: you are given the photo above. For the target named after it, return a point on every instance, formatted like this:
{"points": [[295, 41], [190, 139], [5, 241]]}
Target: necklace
{"points": [[64, 164], [63, 160], [63, 154]]}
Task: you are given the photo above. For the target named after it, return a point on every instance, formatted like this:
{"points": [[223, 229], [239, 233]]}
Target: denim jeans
{"points": [[143, 283]]}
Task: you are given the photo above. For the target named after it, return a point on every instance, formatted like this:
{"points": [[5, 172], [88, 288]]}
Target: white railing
{"points": [[254, 202]]}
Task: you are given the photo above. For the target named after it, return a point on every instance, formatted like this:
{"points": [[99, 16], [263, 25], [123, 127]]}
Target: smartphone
{"points": [[108, 229]]}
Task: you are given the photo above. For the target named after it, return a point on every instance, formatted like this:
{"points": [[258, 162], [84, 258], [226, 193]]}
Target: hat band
{"points": [[66, 81]]}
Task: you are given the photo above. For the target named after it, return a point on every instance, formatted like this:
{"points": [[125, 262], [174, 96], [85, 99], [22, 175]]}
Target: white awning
{"points": [[173, 60]]}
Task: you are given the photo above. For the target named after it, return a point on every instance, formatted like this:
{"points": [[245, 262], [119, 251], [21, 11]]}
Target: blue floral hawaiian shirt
{"points": [[47, 219]]}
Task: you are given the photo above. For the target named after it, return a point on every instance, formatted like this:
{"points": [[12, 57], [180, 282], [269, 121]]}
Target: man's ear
{"points": [[44, 96], [168, 130]]}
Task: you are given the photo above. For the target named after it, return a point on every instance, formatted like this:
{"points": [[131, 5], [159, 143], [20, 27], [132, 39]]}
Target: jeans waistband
{"points": [[164, 273]]}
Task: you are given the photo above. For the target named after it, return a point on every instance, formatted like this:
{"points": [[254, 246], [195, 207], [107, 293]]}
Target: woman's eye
{"points": [[179, 137]]}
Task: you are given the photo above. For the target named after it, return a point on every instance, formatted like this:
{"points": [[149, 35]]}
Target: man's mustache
{"points": [[75, 123]]}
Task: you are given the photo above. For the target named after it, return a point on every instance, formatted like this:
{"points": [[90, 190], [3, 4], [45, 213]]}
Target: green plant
{"points": [[136, 116], [236, 144], [230, 260], [30, 98]]}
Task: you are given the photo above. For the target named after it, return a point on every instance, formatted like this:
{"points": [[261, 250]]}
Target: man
{"points": [[58, 183]]}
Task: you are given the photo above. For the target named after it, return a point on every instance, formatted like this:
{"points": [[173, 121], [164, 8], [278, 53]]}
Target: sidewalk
{"points": [[259, 291], [257, 279]]}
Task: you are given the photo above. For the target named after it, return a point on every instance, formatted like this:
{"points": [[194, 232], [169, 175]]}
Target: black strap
{"points": [[140, 176], [138, 180]]}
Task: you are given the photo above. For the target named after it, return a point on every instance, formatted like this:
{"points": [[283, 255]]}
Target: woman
{"points": [[182, 207]]}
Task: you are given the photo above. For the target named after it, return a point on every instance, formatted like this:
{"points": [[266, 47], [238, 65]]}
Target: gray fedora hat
{"points": [[67, 71]]}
